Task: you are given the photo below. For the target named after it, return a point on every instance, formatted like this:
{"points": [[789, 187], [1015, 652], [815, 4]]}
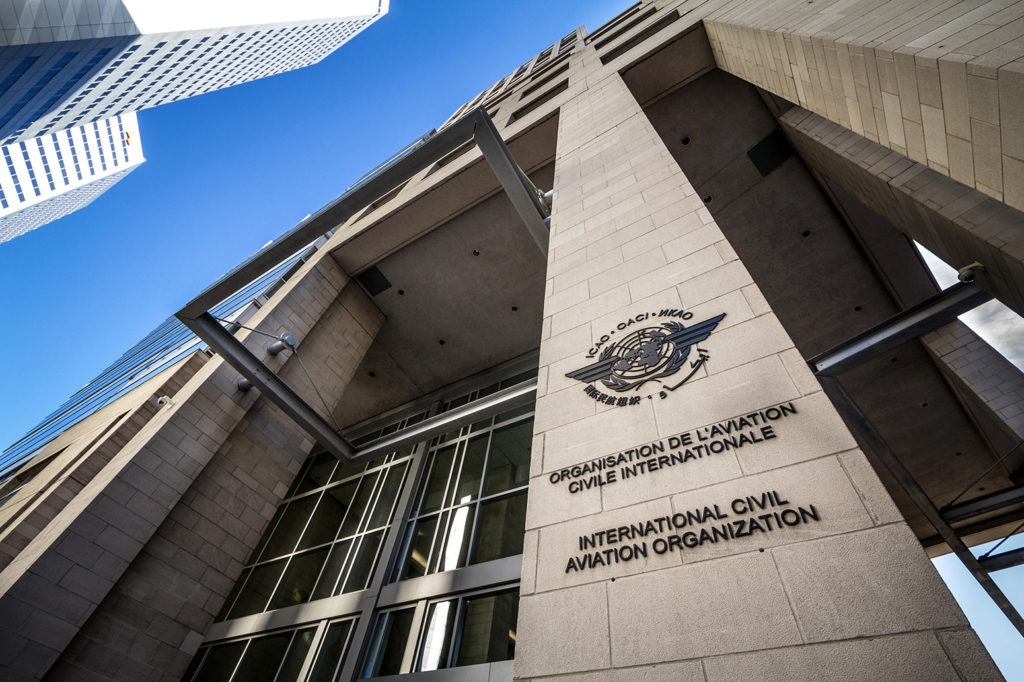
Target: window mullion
{"points": [[356, 658]]}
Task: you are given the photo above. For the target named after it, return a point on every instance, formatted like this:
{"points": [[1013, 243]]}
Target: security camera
{"points": [[164, 401], [966, 273]]}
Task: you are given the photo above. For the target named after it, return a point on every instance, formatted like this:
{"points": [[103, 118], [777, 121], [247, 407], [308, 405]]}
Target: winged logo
{"points": [[648, 354]]}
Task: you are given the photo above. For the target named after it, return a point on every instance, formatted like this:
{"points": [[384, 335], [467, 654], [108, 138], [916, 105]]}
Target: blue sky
{"points": [[231, 170]]}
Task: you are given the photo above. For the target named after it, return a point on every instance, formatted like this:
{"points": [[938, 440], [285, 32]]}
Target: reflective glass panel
{"points": [[501, 528], [488, 629], [437, 635], [329, 576], [253, 597], [472, 470], [362, 498], [262, 658], [393, 635], [329, 658], [290, 527], [292, 665], [508, 465], [219, 663], [437, 481], [297, 583], [328, 515]]}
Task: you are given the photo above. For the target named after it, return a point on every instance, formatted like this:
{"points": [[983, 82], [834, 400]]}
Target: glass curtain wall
{"points": [[459, 501]]}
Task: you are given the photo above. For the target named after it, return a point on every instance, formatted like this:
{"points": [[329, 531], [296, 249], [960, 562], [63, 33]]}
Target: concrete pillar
{"points": [[641, 565], [174, 515]]}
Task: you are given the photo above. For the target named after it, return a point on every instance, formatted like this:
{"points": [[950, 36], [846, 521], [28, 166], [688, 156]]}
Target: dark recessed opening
{"points": [[476, 252], [441, 341], [401, 292], [374, 281], [515, 308], [857, 308], [685, 140], [770, 153], [707, 198], [373, 374], [805, 233]]}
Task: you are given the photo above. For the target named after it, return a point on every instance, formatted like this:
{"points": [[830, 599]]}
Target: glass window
{"points": [[472, 502], [324, 540], [464, 630], [390, 642]]}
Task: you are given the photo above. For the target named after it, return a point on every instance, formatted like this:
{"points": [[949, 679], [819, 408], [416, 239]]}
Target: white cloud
{"points": [[1001, 327]]}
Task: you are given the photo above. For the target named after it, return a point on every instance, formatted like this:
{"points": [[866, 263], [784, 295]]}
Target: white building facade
{"points": [[79, 68], [89, 60], [50, 176]]}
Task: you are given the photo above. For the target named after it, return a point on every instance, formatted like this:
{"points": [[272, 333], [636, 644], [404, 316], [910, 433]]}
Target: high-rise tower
{"points": [[50, 176], [92, 60]]}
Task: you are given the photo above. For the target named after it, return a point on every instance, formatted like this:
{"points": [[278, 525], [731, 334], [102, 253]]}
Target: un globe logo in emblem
{"points": [[644, 355]]}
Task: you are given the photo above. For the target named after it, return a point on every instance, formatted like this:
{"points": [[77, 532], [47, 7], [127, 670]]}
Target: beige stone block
{"points": [[820, 487], [983, 98], [587, 310], [616, 276], [667, 480], [713, 283], [561, 542], [961, 160], [605, 433], [685, 671], [675, 273], [754, 339], [566, 344], [537, 453], [915, 140], [528, 582], [578, 616], [968, 655], [722, 395], [893, 118], [703, 609], [700, 238], [609, 323], [953, 80], [906, 80], [873, 494], [1011, 109], [800, 372], [1013, 182], [552, 503], [590, 268], [561, 407], [756, 300], [815, 430], [554, 303], [934, 135], [879, 582], [914, 656], [988, 160]]}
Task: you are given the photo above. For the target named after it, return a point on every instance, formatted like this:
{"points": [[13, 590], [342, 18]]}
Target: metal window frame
{"points": [[932, 313], [477, 127]]}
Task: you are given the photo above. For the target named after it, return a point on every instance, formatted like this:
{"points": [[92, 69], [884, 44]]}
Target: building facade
{"points": [[630, 389], [51, 176], [72, 67]]}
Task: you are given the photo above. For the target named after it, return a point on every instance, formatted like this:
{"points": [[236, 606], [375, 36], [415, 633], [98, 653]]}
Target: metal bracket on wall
{"points": [[474, 126], [910, 324]]}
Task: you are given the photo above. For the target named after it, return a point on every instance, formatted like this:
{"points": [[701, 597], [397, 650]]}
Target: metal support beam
{"points": [[862, 426], [272, 386], [521, 192], [983, 505], [488, 406], [998, 562], [526, 199], [909, 324]]}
